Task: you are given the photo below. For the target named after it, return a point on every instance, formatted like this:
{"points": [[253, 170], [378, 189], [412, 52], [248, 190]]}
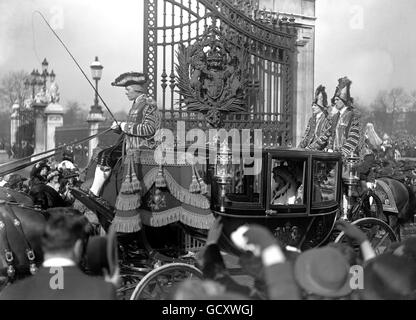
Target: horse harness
{"points": [[10, 218]]}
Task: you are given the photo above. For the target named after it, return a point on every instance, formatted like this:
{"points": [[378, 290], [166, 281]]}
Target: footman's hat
{"points": [[343, 91], [321, 98], [130, 78]]}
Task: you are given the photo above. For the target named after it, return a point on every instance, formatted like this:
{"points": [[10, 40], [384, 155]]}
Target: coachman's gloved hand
{"points": [[118, 127]]}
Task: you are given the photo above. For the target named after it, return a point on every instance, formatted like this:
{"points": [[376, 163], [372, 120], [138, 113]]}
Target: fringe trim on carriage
{"points": [[179, 192], [127, 221], [127, 218], [203, 188], [178, 214], [194, 187], [160, 181]]}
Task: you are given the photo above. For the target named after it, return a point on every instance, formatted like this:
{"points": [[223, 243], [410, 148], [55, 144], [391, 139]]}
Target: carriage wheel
{"points": [[379, 233], [158, 283], [368, 206]]}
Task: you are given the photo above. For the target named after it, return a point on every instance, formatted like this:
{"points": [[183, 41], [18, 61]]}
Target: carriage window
{"points": [[244, 187], [324, 186], [287, 182]]}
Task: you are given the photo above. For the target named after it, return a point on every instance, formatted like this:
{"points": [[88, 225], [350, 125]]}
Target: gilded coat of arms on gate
{"points": [[212, 76]]}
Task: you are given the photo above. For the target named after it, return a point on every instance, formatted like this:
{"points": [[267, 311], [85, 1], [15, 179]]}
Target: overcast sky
{"points": [[371, 41], [376, 52]]}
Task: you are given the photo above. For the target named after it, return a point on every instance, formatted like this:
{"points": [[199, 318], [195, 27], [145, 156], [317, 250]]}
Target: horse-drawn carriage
{"points": [[297, 194]]}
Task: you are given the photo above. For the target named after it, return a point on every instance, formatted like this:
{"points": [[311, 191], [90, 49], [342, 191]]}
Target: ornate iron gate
{"points": [[170, 24]]}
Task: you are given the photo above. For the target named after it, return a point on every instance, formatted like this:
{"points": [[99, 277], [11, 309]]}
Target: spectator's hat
{"points": [[42, 164], [389, 277], [323, 272], [54, 173], [343, 91], [321, 98], [66, 174], [131, 79], [68, 155], [66, 165], [13, 179]]}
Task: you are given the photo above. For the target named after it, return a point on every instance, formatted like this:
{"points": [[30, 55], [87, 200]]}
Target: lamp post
{"points": [[45, 73], [38, 79], [40, 100], [96, 72], [95, 116]]}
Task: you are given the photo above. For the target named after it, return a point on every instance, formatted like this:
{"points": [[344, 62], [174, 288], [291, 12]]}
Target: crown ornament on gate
{"points": [[212, 76]]}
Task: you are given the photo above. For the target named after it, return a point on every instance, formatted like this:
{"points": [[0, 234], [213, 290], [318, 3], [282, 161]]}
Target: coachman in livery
{"points": [[137, 132]]}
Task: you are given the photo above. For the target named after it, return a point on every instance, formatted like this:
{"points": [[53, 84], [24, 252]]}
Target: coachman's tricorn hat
{"points": [[343, 91], [130, 78]]}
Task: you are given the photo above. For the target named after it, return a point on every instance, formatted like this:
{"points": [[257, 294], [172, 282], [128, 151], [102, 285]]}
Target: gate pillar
{"points": [[54, 118], [14, 123], [40, 126], [302, 14], [95, 117]]}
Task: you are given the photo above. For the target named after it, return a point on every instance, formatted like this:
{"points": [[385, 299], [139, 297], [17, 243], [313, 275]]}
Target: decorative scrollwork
{"points": [[288, 234]]}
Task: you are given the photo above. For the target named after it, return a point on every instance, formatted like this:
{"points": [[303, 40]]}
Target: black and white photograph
{"points": [[195, 152]]}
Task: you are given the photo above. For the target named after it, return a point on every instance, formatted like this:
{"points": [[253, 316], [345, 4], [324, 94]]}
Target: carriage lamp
{"points": [[351, 180], [223, 173], [351, 173]]}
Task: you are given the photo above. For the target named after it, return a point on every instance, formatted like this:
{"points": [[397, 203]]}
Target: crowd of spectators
{"points": [[405, 144], [59, 176], [326, 273]]}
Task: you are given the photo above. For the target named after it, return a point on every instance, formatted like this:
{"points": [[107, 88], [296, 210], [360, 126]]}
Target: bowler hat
{"points": [[323, 272]]}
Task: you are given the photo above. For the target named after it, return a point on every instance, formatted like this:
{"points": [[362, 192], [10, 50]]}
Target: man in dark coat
{"points": [[60, 278]]}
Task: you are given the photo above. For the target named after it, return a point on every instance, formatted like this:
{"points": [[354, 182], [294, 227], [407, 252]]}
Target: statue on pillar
{"points": [[42, 96], [54, 92]]}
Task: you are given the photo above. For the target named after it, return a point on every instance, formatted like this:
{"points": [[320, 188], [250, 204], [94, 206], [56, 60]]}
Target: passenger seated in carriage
{"points": [[287, 183]]}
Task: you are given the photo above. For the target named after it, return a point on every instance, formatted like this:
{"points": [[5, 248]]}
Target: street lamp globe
{"points": [[52, 76], [44, 66], [96, 69]]}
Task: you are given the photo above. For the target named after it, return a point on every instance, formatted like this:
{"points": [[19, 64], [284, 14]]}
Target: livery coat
{"points": [[142, 123], [317, 133], [346, 133]]}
